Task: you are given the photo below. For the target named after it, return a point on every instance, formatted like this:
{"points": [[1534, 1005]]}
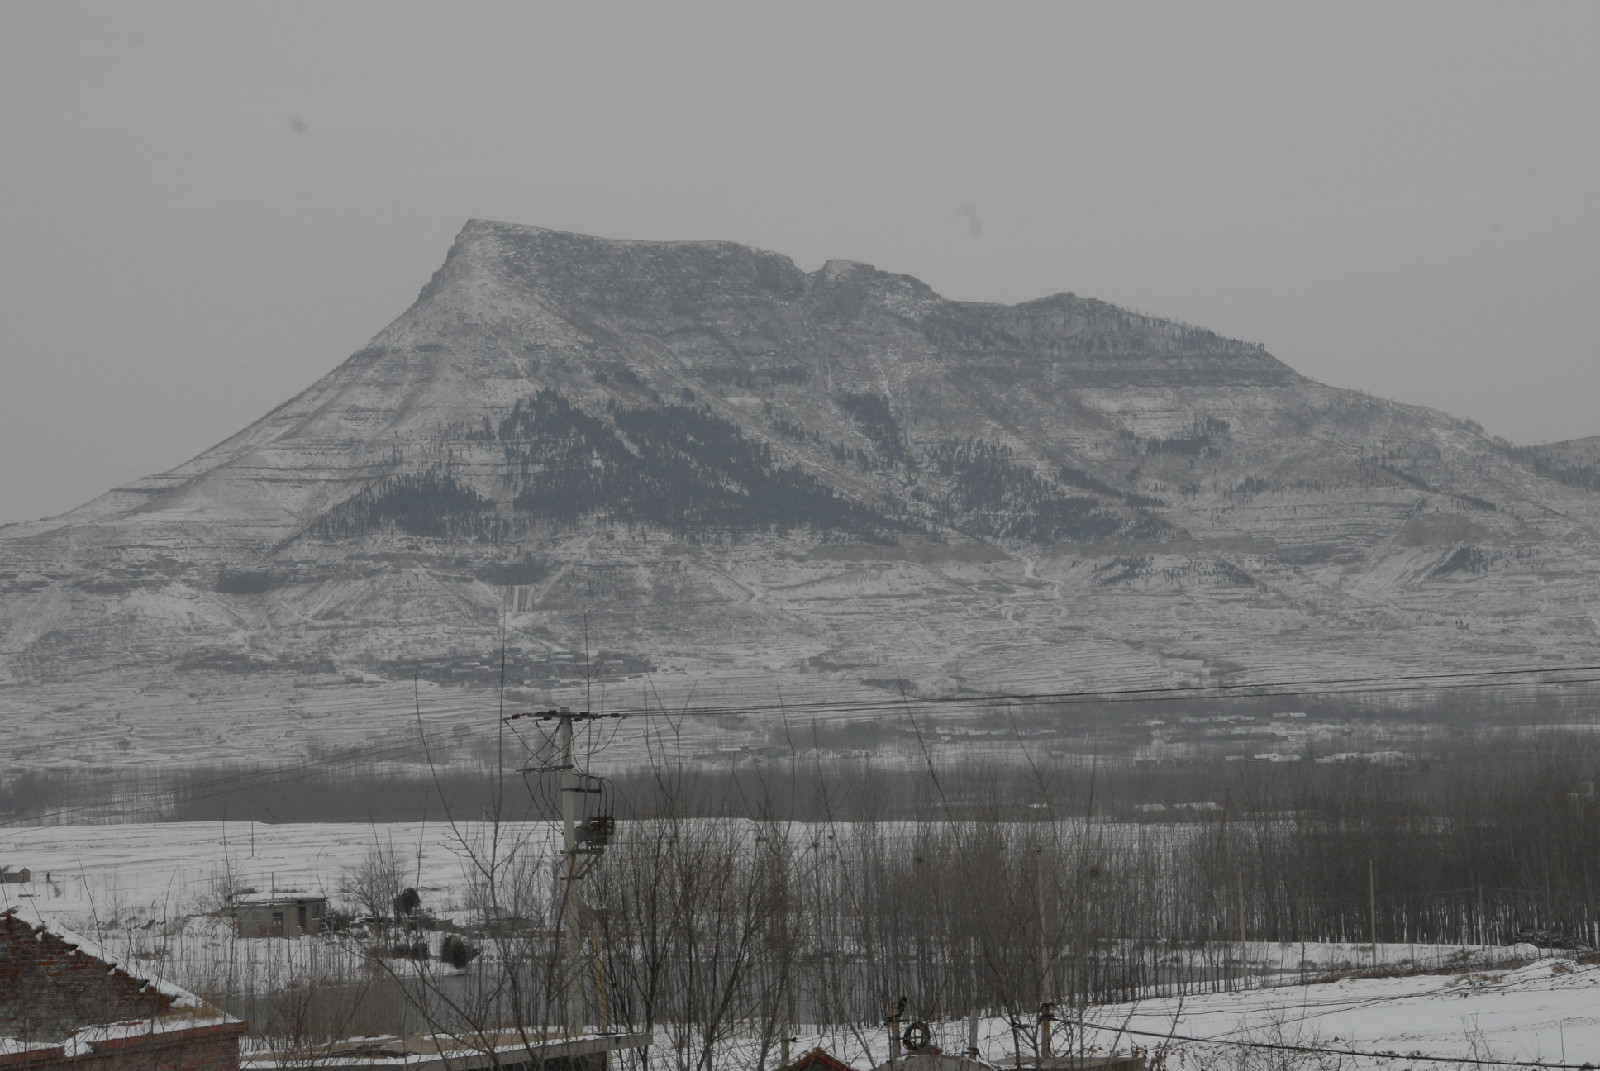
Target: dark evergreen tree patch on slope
{"points": [[1466, 559], [1203, 440], [992, 495], [1562, 470], [513, 573], [791, 431], [1122, 570], [243, 581], [565, 463], [1078, 478], [872, 415], [424, 504], [1585, 476], [674, 467]]}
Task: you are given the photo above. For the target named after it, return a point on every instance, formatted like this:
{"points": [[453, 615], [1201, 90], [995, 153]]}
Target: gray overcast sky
{"points": [[204, 207]]}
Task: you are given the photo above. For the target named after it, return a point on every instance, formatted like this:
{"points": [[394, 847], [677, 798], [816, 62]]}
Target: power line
{"points": [[1219, 691], [1454, 681], [1469, 679]]}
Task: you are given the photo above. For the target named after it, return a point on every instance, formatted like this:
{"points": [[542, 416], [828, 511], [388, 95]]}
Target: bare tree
{"points": [[374, 883]]}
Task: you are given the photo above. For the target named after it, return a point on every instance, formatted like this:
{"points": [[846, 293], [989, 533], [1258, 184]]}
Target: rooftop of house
{"points": [[61, 990], [42, 924], [437, 1052]]}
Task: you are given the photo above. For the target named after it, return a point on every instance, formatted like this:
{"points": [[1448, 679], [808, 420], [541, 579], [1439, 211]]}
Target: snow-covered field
{"points": [[1541, 1012], [137, 889], [149, 894], [1538, 1011], [117, 877], [1544, 1012]]}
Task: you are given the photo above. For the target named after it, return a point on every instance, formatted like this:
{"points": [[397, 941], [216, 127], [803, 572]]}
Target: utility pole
{"points": [[571, 935], [595, 834]]}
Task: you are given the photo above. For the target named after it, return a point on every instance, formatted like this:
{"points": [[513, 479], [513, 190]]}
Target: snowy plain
{"points": [[141, 890]]}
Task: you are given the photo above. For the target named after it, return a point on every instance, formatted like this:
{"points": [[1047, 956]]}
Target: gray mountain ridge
{"points": [[739, 478]]}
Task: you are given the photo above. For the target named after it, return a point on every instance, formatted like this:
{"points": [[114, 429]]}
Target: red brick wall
{"points": [[48, 989], [207, 1049], [211, 1048]]}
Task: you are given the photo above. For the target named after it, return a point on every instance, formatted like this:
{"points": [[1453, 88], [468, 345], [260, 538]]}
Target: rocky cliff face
{"points": [[739, 476]]}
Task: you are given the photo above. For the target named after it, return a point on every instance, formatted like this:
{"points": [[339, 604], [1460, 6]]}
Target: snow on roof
{"points": [[28, 914], [437, 1051], [82, 1042]]}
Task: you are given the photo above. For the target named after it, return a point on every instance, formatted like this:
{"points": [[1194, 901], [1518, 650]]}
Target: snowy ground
{"points": [[147, 893], [1544, 1012], [109, 877], [132, 886]]}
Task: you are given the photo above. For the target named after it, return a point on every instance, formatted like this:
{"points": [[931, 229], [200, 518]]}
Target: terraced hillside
{"points": [[693, 468]]}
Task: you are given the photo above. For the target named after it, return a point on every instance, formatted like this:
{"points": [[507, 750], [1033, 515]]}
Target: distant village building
{"points": [[279, 916], [500, 921], [19, 876], [66, 1005]]}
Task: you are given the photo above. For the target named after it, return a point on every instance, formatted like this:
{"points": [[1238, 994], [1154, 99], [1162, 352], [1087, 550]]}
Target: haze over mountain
{"points": [[730, 478]]}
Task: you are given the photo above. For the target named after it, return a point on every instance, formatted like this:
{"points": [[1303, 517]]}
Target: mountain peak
{"points": [[724, 461]]}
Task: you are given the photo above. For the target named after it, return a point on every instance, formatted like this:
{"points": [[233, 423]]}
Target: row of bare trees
{"points": [[736, 909], [723, 932]]}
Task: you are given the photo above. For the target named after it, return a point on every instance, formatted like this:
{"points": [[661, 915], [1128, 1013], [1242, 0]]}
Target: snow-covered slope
{"points": [[740, 476]]}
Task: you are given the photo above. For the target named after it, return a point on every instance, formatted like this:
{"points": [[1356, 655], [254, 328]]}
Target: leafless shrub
{"points": [[375, 883]]}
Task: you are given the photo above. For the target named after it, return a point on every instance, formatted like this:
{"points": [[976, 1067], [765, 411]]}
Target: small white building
{"points": [[279, 916]]}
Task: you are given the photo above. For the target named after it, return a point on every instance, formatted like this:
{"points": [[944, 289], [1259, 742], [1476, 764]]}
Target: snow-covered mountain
{"points": [[704, 463]]}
